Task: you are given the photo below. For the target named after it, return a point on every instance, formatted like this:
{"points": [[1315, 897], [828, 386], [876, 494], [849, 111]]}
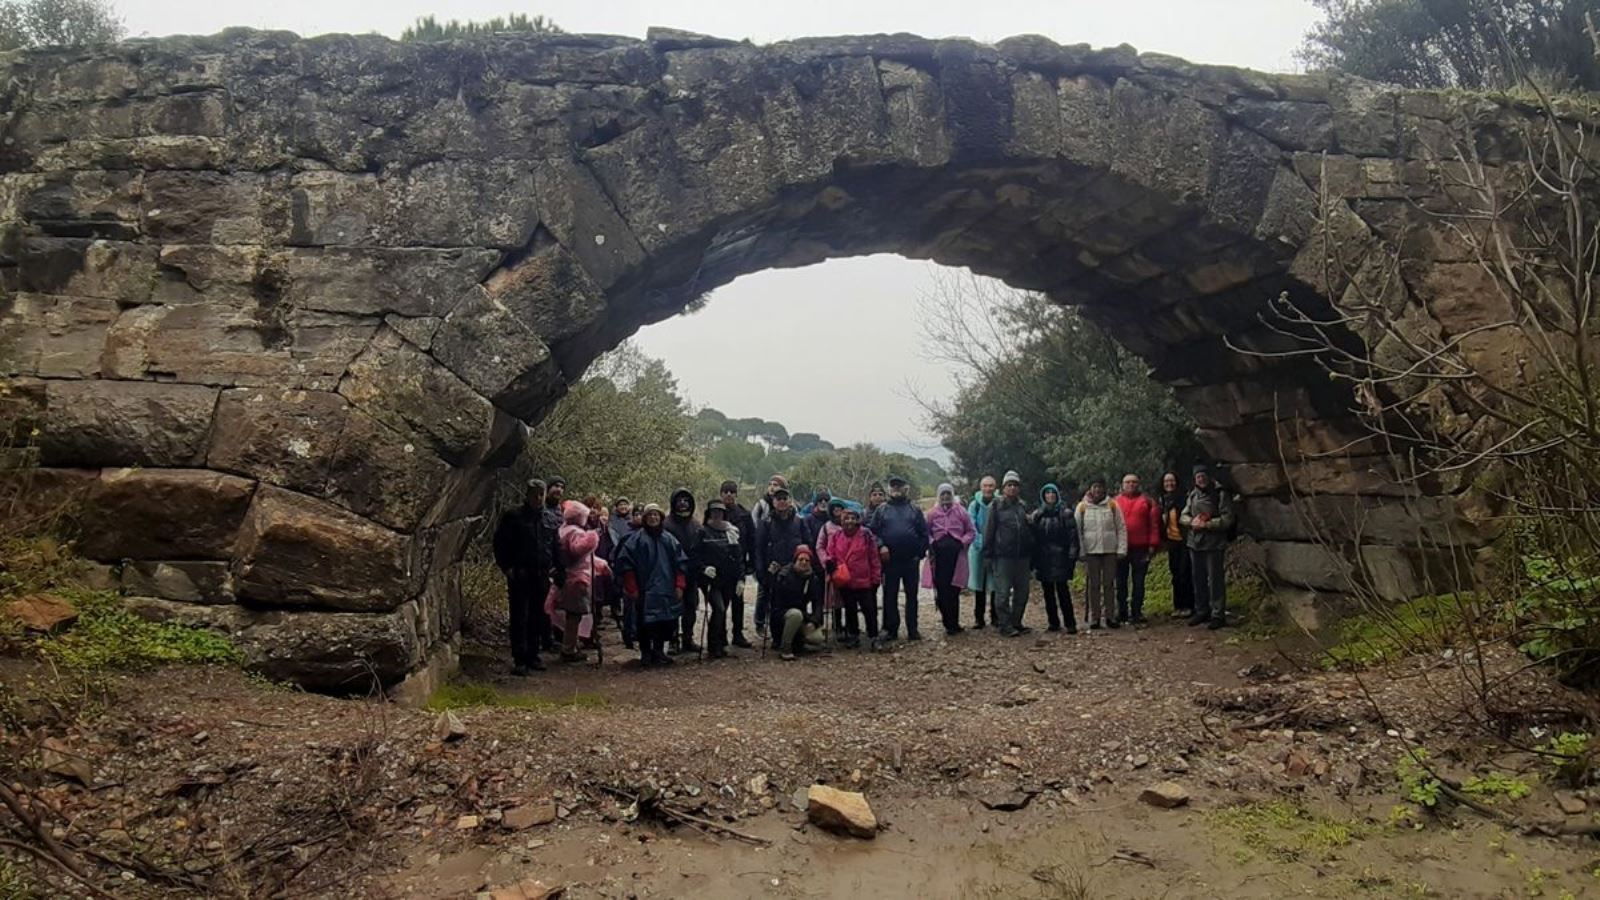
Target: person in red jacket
{"points": [[1143, 518], [855, 569]]}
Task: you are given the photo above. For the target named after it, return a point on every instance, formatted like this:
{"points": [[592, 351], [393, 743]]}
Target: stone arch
{"points": [[280, 305]]}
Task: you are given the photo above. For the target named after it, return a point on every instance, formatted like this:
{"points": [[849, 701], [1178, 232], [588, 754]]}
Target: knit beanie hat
{"points": [[1011, 478]]}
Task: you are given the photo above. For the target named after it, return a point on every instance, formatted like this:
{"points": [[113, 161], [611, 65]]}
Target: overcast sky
{"points": [[866, 306]]}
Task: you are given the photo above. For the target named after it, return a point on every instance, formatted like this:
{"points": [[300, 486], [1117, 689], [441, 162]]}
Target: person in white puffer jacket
{"points": [[1103, 535]]}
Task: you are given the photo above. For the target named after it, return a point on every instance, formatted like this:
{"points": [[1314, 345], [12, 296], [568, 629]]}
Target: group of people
{"points": [[820, 567]]}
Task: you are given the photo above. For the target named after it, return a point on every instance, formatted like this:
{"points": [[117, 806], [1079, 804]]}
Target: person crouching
{"points": [[797, 607]]}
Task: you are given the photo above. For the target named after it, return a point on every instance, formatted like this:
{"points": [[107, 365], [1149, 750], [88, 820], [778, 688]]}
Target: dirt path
{"points": [[1292, 777]]}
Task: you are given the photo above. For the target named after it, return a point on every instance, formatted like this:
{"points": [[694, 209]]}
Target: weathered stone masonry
{"points": [[278, 305]]}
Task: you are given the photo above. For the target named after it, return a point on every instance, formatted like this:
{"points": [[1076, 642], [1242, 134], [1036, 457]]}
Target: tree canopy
{"points": [[58, 23], [1488, 44], [429, 28], [1044, 391]]}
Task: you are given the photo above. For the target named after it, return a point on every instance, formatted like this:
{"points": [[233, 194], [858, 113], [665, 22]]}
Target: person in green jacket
{"points": [[1208, 518], [980, 580]]}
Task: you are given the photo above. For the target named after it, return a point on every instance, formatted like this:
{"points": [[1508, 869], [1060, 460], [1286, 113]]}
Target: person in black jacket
{"points": [[555, 494], [1008, 546], [525, 550], [902, 534], [721, 563], [682, 525], [777, 536], [740, 518], [797, 602], [1055, 555]]}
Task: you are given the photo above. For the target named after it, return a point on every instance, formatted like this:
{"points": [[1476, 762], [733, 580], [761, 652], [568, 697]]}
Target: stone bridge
{"points": [[278, 306]]}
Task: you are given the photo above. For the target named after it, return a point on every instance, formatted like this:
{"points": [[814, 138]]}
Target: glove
{"points": [[831, 567], [710, 572], [772, 568], [883, 553]]}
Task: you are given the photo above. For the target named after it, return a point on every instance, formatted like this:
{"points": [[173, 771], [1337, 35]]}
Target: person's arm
{"points": [[1223, 520], [1155, 522], [919, 524], [1186, 518], [1122, 530], [1077, 519], [874, 565], [969, 532], [988, 534], [505, 553]]}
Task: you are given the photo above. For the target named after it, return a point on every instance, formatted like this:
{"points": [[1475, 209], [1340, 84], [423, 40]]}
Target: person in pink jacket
{"points": [[950, 533], [854, 568], [571, 599]]}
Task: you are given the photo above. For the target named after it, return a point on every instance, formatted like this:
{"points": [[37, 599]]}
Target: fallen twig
{"points": [[654, 804], [39, 854]]}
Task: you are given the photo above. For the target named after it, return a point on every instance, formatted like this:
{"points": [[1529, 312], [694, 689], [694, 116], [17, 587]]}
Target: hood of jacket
{"points": [[575, 513], [672, 503], [1050, 487]]}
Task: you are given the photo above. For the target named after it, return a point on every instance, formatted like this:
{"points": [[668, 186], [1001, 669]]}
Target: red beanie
{"points": [[805, 551]]}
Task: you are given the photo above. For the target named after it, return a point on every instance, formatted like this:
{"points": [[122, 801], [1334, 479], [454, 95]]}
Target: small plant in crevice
{"points": [[1571, 754]]}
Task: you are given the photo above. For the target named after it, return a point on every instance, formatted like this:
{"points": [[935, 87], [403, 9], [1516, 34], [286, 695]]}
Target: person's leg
{"points": [[717, 632], [852, 614], [518, 629], [1000, 596], [1051, 611], [909, 580], [761, 603], [869, 609], [980, 602], [1123, 566], [1182, 602], [1091, 590], [736, 615], [792, 621], [1064, 595], [1021, 584], [891, 599], [1201, 576], [1216, 564], [1140, 565]]}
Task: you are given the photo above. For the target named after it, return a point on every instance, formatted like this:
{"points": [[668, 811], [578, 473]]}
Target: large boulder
{"points": [[129, 423], [162, 514], [298, 551]]}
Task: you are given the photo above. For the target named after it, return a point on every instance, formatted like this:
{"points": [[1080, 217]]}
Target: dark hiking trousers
{"points": [[947, 596], [860, 602], [898, 575], [525, 593], [1131, 572], [1058, 603]]}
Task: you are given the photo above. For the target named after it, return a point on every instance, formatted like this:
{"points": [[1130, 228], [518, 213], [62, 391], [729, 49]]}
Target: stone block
{"points": [[843, 811], [125, 423], [84, 204], [297, 551], [163, 514], [54, 337], [216, 207], [282, 437], [408, 390], [1311, 566], [419, 282], [228, 275], [207, 343], [916, 114], [184, 581], [79, 267]]}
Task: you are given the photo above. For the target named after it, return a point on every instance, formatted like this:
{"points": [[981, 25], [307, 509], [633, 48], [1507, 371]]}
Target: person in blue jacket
{"points": [[980, 579], [902, 534], [654, 572]]}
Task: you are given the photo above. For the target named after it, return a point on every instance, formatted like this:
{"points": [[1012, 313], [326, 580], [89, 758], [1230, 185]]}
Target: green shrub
{"points": [[1572, 755], [108, 636], [1558, 619], [1416, 782], [1495, 785]]}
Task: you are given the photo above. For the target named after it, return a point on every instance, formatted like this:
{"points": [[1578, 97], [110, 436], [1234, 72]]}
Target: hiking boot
{"points": [[1023, 629], [1096, 626], [535, 665], [1217, 622], [914, 636], [520, 671], [717, 653], [786, 656], [978, 624], [689, 646], [1072, 629], [1199, 619], [1182, 613], [743, 644], [1113, 623], [573, 656], [1054, 627], [1008, 632], [876, 645]]}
